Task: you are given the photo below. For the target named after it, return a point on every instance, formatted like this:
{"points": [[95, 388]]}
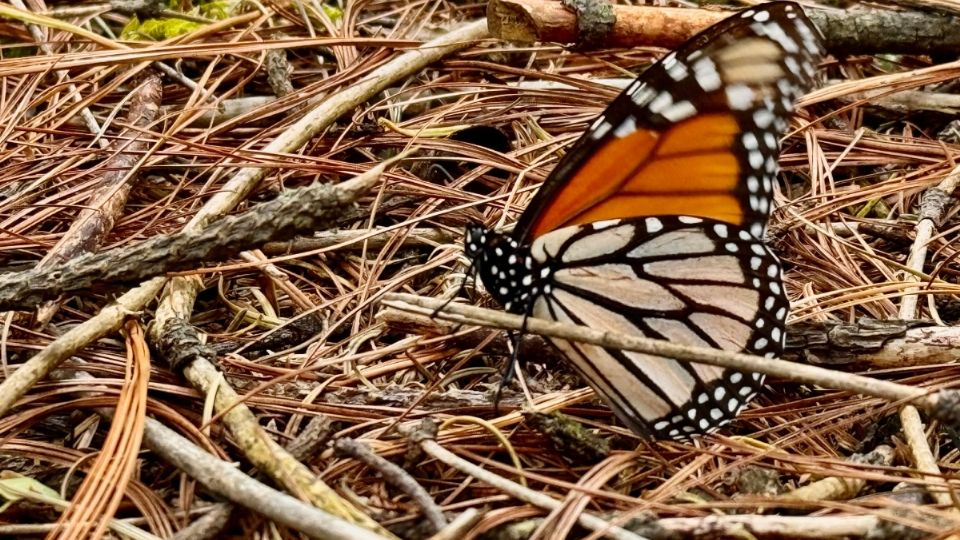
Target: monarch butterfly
{"points": [[652, 224]]}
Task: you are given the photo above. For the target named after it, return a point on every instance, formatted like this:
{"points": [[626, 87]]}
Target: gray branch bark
{"points": [[294, 212]]}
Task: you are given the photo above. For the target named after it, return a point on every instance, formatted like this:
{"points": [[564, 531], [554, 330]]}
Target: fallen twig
{"points": [[836, 488], [845, 32], [395, 476], [931, 212], [227, 481], [942, 404], [780, 526], [107, 200], [293, 212]]}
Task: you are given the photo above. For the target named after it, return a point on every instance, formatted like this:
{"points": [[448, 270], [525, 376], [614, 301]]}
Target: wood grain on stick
{"points": [[541, 20]]}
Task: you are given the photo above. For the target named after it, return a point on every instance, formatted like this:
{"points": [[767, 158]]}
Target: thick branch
{"points": [[845, 32], [874, 343], [294, 212], [108, 199]]}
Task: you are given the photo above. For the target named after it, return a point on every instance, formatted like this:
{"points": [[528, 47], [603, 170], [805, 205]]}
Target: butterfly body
{"points": [[652, 224]]}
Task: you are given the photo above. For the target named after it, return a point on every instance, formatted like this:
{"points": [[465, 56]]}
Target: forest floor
{"points": [[179, 385]]}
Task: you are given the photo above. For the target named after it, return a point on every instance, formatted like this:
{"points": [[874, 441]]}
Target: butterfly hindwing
{"points": [[687, 280]]}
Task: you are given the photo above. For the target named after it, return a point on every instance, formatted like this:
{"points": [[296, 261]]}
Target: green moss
{"points": [[161, 28], [569, 437], [218, 10], [157, 29], [333, 12]]}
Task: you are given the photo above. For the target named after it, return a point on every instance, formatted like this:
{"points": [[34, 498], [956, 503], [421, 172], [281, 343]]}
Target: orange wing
{"points": [[687, 171], [696, 134]]}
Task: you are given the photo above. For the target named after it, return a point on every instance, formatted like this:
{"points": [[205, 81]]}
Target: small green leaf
{"points": [[14, 487]]}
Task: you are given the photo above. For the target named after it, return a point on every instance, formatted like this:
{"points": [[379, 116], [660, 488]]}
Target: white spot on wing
{"points": [[739, 97], [706, 74], [600, 129], [763, 118], [663, 100], [626, 127], [604, 224], [643, 96], [775, 32], [634, 86], [792, 65], [679, 111]]}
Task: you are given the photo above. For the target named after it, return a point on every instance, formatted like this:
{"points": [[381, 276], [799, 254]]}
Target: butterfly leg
{"points": [[470, 273], [508, 372], [514, 337]]}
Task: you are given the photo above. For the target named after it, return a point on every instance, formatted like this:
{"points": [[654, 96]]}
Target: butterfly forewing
{"points": [[696, 134]]}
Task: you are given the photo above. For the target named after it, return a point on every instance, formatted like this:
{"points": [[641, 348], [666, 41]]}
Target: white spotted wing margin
{"points": [[683, 279]]}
